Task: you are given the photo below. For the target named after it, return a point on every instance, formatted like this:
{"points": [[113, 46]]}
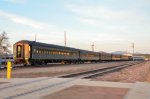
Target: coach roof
{"points": [[34, 43]]}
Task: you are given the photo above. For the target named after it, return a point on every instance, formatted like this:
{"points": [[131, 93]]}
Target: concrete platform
{"points": [[107, 84], [35, 88], [140, 90]]}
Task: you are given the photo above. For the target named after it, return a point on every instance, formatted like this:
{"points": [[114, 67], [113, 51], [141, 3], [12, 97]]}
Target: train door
{"points": [[19, 51], [22, 52], [27, 50]]}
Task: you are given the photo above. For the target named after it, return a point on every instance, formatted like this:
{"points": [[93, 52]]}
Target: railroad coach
{"points": [[105, 56], [31, 52], [124, 57], [88, 56], [116, 57]]}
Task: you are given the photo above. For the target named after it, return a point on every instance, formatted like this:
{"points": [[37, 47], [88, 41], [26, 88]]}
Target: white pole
{"points": [[133, 50], [92, 46], [35, 37], [65, 38]]}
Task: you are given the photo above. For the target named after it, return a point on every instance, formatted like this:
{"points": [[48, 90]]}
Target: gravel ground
{"points": [[88, 92], [139, 72], [51, 70]]}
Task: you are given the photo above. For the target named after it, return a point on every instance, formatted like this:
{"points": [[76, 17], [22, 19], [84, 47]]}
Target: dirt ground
{"points": [[140, 72], [88, 92], [3, 82], [52, 70]]}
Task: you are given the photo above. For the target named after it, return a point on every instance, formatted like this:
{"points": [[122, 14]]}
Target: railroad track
{"points": [[98, 72], [57, 84], [15, 66]]}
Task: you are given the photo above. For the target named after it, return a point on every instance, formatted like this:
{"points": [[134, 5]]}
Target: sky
{"points": [[113, 25]]}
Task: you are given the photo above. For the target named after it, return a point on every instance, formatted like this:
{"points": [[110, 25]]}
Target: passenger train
{"points": [[32, 52]]}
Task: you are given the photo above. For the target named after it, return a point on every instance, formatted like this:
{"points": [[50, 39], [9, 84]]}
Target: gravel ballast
{"points": [[131, 74]]}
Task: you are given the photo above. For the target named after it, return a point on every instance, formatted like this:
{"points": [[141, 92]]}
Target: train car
{"points": [[89, 56], [31, 52], [5, 58], [105, 56], [138, 58], [116, 57], [124, 58]]}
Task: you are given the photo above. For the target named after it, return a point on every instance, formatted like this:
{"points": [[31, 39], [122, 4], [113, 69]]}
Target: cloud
{"points": [[24, 21], [103, 15]]}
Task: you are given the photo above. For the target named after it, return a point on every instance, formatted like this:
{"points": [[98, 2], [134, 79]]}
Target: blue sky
{"points": [[111, 24]]}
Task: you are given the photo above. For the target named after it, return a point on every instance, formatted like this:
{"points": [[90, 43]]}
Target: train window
{"points": [[37, 51], [34, 50], [19, 48]]}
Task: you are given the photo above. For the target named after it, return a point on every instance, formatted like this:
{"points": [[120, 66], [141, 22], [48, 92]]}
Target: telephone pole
{"points": [[35, 37], [92, 46], [133, 51], [65, 38]]}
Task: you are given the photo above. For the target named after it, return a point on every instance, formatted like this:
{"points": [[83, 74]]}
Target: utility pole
{"points": [[133, 51], [65, 39], [92, 46], [35, 37]]}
